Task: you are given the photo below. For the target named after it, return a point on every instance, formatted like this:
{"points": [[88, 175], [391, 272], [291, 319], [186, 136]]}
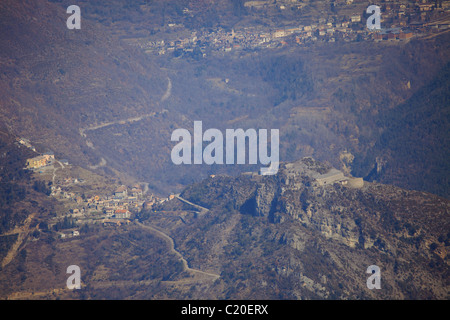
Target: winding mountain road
{"points": [[172, 249]]}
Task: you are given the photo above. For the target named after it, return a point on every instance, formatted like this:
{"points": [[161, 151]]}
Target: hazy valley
{"points": [[108, 97]]}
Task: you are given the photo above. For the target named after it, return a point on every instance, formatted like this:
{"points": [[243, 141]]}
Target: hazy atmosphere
{"points": [[224, 150]]}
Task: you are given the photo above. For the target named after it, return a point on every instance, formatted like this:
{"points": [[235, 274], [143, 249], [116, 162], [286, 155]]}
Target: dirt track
{"points": [[171, 243]]}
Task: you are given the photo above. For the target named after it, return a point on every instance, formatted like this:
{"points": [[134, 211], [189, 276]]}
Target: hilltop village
{"points": [[400, 21]]}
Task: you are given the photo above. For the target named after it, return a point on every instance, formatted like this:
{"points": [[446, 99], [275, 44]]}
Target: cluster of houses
{"points": [[411, 15], [115, 209], [202, 42], [119, 205]]}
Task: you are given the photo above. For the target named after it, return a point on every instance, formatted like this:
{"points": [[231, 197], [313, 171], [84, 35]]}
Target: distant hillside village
{"points": [[116, 209], [400, 21], [113, 209]]}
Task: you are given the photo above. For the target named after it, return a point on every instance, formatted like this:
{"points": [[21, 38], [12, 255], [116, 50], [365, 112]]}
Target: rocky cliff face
{"points": [[292, 194]]}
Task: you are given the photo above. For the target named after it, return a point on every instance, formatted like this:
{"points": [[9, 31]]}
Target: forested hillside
{"points": [[413, 148]]}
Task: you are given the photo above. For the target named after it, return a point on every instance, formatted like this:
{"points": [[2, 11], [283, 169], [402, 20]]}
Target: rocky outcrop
{"points": [[293, 240], [266, 199]]}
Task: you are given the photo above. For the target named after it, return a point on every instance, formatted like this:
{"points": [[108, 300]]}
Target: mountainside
{"points": [[93, 96]]}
